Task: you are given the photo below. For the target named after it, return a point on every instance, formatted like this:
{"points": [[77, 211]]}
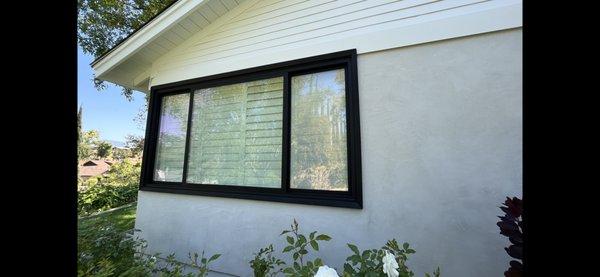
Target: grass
{"points": [[104, 244], [123, 219]]}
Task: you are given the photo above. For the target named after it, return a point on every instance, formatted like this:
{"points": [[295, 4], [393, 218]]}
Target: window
{"points": [[286, 132], [236, 134]]}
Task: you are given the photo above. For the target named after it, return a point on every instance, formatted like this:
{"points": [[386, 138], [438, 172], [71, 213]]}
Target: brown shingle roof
{"points": [[91, 168]]}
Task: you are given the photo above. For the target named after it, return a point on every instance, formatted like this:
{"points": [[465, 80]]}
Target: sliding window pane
{"points": [[318, 132], [170, 149], [236, 135]]}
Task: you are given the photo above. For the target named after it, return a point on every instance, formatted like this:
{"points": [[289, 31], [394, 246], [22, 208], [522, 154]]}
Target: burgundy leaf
{"points": [[515, 251], [516, 265], [512, 272], [518, 203], [507, 217], [508, 225], [509, 233], [520, 223], [516, 240], [515, 206]]}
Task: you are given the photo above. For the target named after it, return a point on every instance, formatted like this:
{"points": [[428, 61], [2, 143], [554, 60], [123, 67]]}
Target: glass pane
{"points": [[171, 138], [318, 134], [236, 135]]}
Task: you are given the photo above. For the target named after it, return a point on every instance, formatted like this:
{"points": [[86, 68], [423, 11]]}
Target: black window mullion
{"points": [[353, 130], [286, 130], [187, 137]]}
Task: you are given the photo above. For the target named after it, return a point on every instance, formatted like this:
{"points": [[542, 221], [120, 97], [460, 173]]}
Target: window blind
{"points": [[170, 147], [236, 134]]}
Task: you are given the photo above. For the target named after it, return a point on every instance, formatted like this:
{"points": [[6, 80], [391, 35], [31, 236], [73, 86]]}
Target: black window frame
{"points": [[349, 199]]}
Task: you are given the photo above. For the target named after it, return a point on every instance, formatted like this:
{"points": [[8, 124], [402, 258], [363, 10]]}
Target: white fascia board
{"points": [[145, 35]]}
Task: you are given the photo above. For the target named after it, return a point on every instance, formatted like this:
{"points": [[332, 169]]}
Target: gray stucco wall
{"points": [[441, 143]]}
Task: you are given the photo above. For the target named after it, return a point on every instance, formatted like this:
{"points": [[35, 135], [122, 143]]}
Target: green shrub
{"points": [[388, 261], [117, 187], [106, 250], [298, 247], [103, 249], [264, 263], [371, 262]]}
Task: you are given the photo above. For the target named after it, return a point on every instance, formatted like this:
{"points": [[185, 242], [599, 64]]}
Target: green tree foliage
{"points": [[116, 188], [135, 145], [103, 149], [79, 115], [120, 153], [318, 113], [87, 144], [102, 24], [80, 150]]}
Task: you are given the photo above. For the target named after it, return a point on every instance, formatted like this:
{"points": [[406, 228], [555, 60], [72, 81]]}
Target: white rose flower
{"points": [[390, 266], [325, 271]]}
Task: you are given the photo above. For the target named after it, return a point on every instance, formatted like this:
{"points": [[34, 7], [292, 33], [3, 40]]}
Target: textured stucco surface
{"points": [[441, 131]]}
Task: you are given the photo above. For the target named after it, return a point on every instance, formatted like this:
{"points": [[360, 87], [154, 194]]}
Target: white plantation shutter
{"points": [[236, 134]]}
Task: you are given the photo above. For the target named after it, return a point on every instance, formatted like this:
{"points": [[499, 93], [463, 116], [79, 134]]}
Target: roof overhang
{"points": [[129, 63]]}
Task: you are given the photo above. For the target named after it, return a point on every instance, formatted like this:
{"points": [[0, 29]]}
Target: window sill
{"points": [[320, 198]]}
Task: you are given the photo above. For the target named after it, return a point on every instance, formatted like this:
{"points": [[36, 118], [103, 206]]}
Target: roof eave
{"points": [[151, 30]]}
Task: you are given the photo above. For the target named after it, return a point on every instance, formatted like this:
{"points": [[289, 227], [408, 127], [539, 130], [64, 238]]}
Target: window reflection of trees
{"points": [[318, 144]]}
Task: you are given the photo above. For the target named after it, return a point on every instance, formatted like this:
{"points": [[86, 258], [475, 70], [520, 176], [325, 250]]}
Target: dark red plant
{"points": [[511, 226]]}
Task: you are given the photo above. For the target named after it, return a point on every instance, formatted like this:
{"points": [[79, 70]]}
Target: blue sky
{"points": [[106, 111]]}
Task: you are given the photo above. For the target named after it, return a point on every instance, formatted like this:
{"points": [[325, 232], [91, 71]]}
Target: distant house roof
{"points": [[92, 168]]}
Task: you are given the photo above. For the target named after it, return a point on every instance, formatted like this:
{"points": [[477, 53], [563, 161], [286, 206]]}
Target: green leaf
{"points": [[312, 235], [314, 245], [323, 237], [365, 254], [302, 238], [303, 252], [354, 248], [405, 245], [214, 257], [290, 240], [288, 270], [288, 248], [349, 269], [370, 263], [296, 255], [371, 274], [284, 232], [318, 262]]}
